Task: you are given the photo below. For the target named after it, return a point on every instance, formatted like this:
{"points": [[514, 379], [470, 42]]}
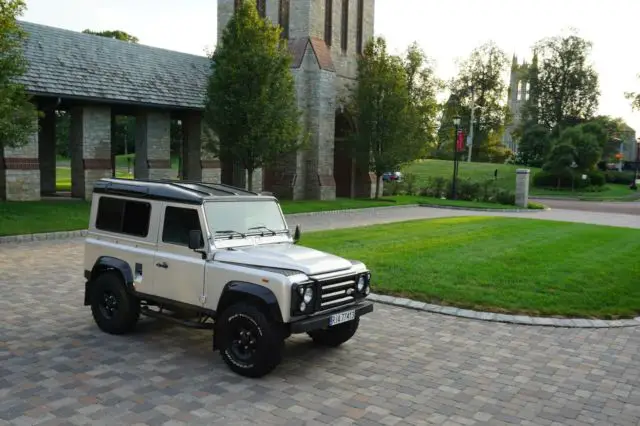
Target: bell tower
{"points": [[325, 38]]}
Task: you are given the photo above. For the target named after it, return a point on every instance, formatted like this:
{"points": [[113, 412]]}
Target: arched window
{"points": [[283, 18], [344, 36], [328, 21]]}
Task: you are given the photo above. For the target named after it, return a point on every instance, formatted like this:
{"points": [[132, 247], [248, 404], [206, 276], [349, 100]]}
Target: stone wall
{"points": [[21, 172]]}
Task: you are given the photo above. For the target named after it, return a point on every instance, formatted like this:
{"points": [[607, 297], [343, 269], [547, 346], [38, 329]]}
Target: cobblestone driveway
{"points": [[404, 367]]}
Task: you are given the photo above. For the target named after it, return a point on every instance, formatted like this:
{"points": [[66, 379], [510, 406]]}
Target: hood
{"points": [[287, 256]]}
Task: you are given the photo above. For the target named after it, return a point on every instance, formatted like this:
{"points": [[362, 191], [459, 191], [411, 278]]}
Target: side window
{"points": [[123, 216], [178, 222]]}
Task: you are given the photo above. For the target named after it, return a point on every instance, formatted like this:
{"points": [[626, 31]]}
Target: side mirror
{"points": [[296, 235], [195, 239]]}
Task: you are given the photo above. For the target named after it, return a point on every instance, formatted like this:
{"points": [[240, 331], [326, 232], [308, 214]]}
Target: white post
{"points": [[522, 188]]}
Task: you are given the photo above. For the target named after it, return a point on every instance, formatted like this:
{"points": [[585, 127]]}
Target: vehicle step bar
{"points": [[191, 324]]}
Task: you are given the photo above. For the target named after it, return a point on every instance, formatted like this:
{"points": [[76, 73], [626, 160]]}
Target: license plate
{"points": [[342, 317]]}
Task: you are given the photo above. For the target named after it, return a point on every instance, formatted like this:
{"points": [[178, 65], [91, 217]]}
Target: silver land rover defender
{"points": [[216, 257]]}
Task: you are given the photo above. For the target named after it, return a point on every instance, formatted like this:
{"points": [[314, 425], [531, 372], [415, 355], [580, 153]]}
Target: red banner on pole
{"points": [[460, 141]]}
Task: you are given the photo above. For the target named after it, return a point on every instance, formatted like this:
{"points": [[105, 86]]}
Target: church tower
{"points": [[325, 38], [519, 93]]}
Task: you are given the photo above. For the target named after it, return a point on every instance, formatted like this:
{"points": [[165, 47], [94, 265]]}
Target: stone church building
{"points": [[95, 79]]}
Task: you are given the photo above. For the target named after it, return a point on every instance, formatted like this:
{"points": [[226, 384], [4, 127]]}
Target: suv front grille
{"points": [[337, 292]]}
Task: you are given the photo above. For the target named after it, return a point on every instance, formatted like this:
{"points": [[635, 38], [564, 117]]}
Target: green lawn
{"points": [[499, 264], [26, 217], [424, 169], [63, 178], [612, 192]]}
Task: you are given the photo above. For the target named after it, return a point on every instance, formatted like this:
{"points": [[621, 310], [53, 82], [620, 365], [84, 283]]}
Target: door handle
{"points": [[162, 265]]}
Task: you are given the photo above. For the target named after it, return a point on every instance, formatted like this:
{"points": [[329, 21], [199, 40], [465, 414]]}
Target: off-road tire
{"points": [[114, 310], [265, 341], [336, 335]]}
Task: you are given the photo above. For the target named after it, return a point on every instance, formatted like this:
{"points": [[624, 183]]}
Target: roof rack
{"points": [[184, 191]]}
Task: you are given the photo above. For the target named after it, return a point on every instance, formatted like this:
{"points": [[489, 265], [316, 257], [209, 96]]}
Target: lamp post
{"points": [[456, 123]]}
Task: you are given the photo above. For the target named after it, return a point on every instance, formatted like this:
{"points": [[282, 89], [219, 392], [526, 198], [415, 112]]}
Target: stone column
{"points": [[320, 182], [47, 152], [522, 187], [90, 148], [20, 170], [210, 165], [153, 146], [191, 146]]}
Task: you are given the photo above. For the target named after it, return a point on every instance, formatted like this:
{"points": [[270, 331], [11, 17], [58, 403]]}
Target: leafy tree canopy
{"points": [[17, 114], [567, 87], [116, 34], [481, 76], [251, 105]]}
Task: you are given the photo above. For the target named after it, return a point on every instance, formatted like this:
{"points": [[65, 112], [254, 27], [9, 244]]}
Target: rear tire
{"points": [[250, 343], [336, 335], [114, 310]]}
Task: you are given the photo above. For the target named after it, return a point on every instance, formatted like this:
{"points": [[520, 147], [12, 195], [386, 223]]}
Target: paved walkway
{"points": [[364, 217], [624, 207], [56, 367]]}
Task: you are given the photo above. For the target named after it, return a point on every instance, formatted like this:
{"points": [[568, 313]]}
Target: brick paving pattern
{"points": [[403, 367]]}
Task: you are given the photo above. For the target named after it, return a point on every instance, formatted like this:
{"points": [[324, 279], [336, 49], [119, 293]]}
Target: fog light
{"points": [[308, 295], [361, 283], [367, 290], [303, 306]]}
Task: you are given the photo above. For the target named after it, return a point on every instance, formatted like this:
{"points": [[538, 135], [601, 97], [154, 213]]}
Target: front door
{"points": [[178, 270]]}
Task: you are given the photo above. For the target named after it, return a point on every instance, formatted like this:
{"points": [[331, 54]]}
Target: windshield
{"points": [[244, 217]]}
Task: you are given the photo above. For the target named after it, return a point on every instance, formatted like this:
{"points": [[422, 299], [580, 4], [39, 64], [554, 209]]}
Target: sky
{"points": [[446, 30]]}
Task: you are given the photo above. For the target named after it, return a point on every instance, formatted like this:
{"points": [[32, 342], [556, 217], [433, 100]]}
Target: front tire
{"points": [[114, 310], [336, 335], [250, 343]]}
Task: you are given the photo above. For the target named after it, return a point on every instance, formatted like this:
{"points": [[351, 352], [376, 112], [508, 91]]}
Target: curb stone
{"points": [[64, 235], [482, 209], [503, 318]]}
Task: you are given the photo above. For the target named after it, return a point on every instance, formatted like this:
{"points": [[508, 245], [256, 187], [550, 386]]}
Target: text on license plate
{"points": [[342, 317]]}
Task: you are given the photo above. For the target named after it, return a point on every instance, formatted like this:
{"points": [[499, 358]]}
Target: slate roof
{"points": [[72, 64], [298, 47]]}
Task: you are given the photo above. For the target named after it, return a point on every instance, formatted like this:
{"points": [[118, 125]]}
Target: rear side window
{"points": [[123, 216]]}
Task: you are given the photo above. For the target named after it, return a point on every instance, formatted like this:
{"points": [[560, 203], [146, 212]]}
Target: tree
{"points": [[588, 149], [534, 145], [250, 103], [423, 87], [388, 110], [18, 116], [567, 86], [561, 157], [481, 77], [634, 97], [116, 34]]}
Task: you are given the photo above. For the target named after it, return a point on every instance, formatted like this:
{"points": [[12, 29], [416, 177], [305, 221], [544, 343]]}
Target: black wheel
{"points": [[250, 343], [114, 310], [336, 335]]}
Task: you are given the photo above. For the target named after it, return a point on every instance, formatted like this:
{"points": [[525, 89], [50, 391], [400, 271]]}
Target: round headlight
{"points": [[361, 283], [303, 306], [308, 295]]}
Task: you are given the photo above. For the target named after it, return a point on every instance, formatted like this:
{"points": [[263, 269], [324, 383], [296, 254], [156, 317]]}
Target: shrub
{"points": [[535, 206], [549, 179], [409, 181], [625, 178], [394, 188], [504, 196]]}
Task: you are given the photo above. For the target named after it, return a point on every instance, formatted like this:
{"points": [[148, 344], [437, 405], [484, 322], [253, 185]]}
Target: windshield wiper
{"points": [[263, 227], [231, 233]]}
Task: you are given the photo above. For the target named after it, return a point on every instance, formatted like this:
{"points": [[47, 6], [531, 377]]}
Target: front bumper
{"points": [[322, 321]]}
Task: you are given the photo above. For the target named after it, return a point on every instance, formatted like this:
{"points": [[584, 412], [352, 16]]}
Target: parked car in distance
{"points": [[392, 177]]}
